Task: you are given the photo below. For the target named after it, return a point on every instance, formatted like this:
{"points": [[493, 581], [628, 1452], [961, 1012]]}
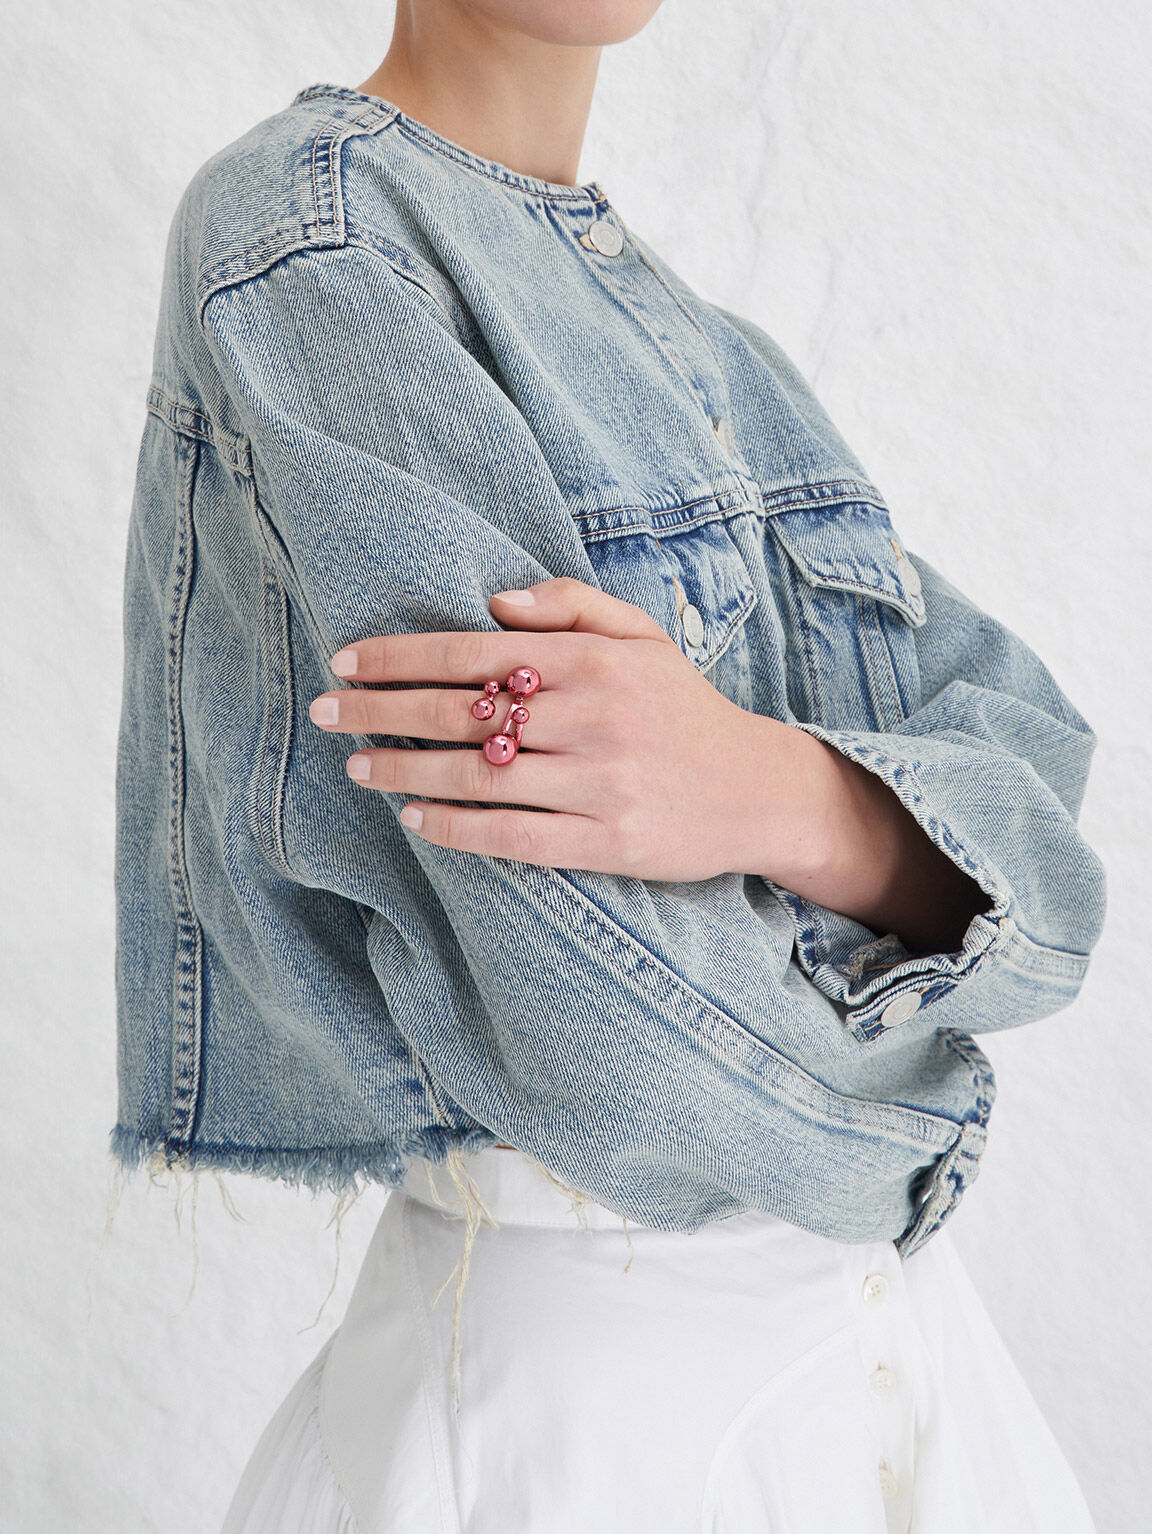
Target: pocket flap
{"points": [[850, 546]]}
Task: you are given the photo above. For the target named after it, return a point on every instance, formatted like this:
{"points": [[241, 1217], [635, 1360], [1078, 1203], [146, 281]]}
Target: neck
{"points": [[494, 90]]}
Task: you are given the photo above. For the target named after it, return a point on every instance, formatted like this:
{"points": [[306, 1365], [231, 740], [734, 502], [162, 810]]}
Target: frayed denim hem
{"points": [[323, 1169]]}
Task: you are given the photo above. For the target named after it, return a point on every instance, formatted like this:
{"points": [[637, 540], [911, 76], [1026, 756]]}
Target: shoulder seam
{"points": [[399, 262], [326, 230]]}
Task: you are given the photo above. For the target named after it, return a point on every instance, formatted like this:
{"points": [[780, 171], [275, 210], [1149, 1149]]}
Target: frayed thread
{"points": [[326, 1169], [473, 1213], [158, 1169], [579, 1203], [182, 1173], [329, 1170], [117, 1180], [336, 1219]]}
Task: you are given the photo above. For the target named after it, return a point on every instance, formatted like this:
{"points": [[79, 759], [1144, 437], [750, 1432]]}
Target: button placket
{"points": [[678, 335], [885, 1327]]}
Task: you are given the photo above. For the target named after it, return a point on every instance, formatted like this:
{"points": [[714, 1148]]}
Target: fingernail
{"points": [[412, 816], [343, 663], [324, 711], [359, 767], [517, 598]]}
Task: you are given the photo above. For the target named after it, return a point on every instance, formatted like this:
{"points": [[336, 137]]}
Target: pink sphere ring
{"points": [[503, 746]]}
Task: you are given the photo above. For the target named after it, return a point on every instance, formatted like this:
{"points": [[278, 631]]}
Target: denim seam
{"points": [[272, 543], [420, 133], [710, 1023], [329, 139], [945, 1187], [266, 533], [397, 260], [188, 421], [693, 321], [1033, 958], [259, 258], [857, 492], [508, 178], [188, 982], [878, 660], [983, 1080], [275, 741], [813, 701], [720, 504], [327, 230], [419, 1068], [708, 659]]}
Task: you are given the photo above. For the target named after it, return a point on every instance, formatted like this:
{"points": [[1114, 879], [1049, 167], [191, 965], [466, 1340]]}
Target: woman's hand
{"points": [[647, 768]]}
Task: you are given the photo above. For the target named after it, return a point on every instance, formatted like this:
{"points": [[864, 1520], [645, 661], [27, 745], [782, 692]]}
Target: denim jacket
{"points": [[391, 378]]}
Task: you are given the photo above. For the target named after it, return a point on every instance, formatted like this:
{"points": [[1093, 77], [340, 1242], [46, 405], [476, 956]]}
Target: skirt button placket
{"points": [[886, 1333]]}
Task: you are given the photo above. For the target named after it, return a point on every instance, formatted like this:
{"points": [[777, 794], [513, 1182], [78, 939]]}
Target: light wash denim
{"points": [[391, 378]]}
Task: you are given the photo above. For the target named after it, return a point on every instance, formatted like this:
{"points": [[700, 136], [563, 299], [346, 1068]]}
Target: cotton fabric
{"points": [[747, 1378], [391, 378]]}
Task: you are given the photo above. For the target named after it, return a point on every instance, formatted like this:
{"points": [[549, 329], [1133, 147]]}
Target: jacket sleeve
{"points": [[992, 764], [397, 487], [992, 760]]}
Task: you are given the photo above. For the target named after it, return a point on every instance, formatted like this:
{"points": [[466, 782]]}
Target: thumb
{"points": [[566, 603]]}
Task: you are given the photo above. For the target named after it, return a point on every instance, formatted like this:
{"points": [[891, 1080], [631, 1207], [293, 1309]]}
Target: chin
{"points": [[577, 23]]}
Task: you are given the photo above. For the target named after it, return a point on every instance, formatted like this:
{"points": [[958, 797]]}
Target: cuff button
{"points": [[900, 1009]]}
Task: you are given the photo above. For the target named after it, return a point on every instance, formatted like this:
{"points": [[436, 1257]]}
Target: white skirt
{"points": [[749, 1378]]}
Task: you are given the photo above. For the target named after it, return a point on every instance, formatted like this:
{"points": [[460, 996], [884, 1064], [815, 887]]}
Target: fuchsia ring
{"points": [[503, 746]]}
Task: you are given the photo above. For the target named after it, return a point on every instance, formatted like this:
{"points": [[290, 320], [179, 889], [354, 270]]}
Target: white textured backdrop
{"points": [[941, 211]]}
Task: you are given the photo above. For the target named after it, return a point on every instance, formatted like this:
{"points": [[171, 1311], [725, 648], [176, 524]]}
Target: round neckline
{"points": [[590, 191]]}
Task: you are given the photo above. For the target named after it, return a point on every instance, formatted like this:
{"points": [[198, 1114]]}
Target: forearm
{"points": [[832, 832]]}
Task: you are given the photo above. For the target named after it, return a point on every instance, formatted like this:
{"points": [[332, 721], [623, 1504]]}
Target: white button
{"points": [[900, 1009], [889, 1485], [883, 1381], [606, 237], [909, 575], [693, 625], [875, 1289]]}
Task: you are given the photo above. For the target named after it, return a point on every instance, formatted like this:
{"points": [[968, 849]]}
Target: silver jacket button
{"points": [[693, 625], [604, 237], [900, 1009], [909, 575], [723, 431]]}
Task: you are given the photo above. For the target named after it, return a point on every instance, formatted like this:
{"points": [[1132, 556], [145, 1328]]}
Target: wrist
{"points": [[798, 810], [834, 833]]}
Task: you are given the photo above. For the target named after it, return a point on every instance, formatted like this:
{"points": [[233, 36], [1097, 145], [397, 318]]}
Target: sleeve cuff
{"points": [[876, 984]]}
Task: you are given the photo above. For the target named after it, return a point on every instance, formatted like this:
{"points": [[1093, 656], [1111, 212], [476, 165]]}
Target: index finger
{"points": [[467, 656]]}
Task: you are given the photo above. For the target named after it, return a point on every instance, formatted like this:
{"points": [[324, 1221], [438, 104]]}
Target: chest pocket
{"points": [[690, 576], [850, 601]]}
